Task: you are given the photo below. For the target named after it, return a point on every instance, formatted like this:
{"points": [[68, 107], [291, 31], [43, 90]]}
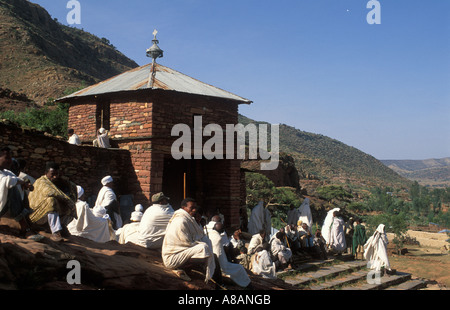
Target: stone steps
{"points": [[346, 274]]}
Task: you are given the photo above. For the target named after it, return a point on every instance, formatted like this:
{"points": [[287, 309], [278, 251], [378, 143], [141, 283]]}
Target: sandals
{"points": [[181, 274]]}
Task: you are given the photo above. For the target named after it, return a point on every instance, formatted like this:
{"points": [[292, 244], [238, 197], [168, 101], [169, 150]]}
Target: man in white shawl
{"points": [[336, 240], [260, 218], [280, 251], [304, 212], [185, 242], [262, 263], [235, 272], [256, 241], [87, 225], [102, 139], [107, 203], [154, 222], [375, 251]]}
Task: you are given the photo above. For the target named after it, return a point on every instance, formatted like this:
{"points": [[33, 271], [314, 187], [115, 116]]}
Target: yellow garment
{"points": [[47, 197]]}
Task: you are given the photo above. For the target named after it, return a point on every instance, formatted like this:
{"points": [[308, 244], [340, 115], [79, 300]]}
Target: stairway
{"points": [[344, 273]]}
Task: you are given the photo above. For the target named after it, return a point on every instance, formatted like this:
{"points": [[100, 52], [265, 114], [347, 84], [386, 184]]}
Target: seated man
{"points": [[185, 242], [152, 228], [306, 238], [53, 201], [235, 272], [281, 253], [262, 263], [256, 241], [11, 202], [89, 226]]}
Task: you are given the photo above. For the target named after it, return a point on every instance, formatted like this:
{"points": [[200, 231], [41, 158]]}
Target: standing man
{"points": [[185, 242], [107, 202], [53, 200]]}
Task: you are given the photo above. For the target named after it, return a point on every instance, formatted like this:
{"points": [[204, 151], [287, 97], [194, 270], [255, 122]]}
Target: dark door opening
{"points": [[179, 180]]}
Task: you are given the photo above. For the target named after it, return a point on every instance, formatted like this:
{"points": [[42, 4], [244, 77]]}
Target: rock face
{"points": [[43, 265]]}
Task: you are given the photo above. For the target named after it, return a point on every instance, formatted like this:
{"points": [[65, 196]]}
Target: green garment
{"points": [[359, 237]]}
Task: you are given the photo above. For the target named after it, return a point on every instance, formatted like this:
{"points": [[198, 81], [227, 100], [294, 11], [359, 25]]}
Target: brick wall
{"points": [[141, 122]]}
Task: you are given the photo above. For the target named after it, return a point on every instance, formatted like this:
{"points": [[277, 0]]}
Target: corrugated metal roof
{"points": [[165, 78]]}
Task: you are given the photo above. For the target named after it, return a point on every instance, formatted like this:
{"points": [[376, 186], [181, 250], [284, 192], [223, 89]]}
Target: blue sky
{"points": [[316, 65]]}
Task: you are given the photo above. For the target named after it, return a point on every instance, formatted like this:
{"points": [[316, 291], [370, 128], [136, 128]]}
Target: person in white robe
{"points": [[153, 225], [262, 263], [87, 225], [256, 241], [336, 238], [260, 218], [130, 232], [73, 137], [305, 214], [326, 227], [375, 251], [235, 272], [106, 202], [102, 139], [280, 251], [185, 242]]}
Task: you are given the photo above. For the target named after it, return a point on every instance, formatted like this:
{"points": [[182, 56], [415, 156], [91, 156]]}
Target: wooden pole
{"points": [[184, 185]]}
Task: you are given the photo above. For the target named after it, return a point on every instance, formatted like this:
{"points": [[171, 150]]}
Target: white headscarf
{"points": [[107, 179], [80, 191], [136, 216]]}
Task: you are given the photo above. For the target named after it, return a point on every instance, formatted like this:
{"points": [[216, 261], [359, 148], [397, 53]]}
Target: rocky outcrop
{"points": [[43, 265]]}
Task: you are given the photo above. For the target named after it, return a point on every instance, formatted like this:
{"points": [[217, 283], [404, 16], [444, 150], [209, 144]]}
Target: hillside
{"points": [[318, 157], [427, 172], [41, 58]]}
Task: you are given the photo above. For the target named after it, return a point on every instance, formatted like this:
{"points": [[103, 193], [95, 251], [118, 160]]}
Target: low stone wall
{"points": [[84, 165]]}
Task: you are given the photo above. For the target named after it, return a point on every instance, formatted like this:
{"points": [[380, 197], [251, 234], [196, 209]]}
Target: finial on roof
{"points": [[154, 52]]}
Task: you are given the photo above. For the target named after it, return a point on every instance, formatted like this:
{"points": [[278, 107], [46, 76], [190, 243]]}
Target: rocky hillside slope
{"points": [[42, 58]]}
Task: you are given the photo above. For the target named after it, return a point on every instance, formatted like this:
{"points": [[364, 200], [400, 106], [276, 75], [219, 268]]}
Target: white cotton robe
{"points": [[326, 227], [235, 272], [305, 214], [105, 197], [337, 235], [259, 219], [375, 250], [129, 233], [184, 240], [7, 181], [90, 226], [153, 225], [263, 265], [277, 247]]}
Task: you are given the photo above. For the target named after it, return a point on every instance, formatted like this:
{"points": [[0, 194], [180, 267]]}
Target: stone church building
{"points": [[139, 109]]}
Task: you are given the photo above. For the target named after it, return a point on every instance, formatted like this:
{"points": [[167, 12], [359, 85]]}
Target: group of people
{"points": [[102, 139]]}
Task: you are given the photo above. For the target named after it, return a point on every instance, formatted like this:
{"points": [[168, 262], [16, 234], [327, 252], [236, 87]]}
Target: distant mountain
{"points": [[41, 58], [427, 172], [318, 157]]}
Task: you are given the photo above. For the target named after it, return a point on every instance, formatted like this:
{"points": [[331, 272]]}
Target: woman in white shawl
{"points": [[184, 240], [336, 240], [326, 227], [262, 263], [375, 251], [260, 219]]}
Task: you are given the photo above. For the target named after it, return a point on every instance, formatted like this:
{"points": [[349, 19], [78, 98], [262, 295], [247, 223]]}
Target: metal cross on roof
{"points": [[154, 52]]}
